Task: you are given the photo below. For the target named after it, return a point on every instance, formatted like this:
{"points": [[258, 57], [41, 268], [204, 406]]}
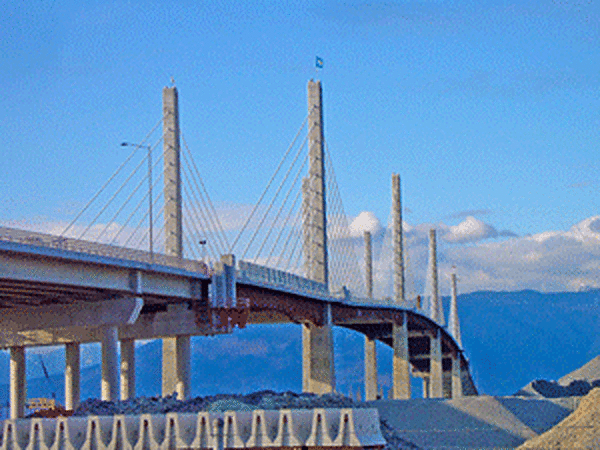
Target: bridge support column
{"points": [[401, 362], [318, 370], [110, 364], [127, 369], [370, 369], [176, 366], [18, 383], [456, 377], [72, 375], [435, 366]]}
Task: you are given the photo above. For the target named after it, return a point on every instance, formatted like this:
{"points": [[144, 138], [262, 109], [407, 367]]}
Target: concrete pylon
{"points": [[318, 375], [401, 389], [436, 311], [306, 229], [399, 296], [72, 375], [371, 382], [18, 383], [172, 173], [318, 371], [127, 369], [176, 350], [368, 264], [371, 387], [319, 270], [456, 377], [435, 366], [453, 322], [110, 364]]}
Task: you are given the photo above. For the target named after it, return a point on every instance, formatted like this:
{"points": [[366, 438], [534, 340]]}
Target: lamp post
{"points": [[203, 244], [150, 229]]}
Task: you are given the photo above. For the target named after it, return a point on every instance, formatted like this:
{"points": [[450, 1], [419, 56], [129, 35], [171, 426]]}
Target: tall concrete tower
{"points": [[397, 241], [318, 370], [172, 173], [176, 350], [316, 175], [436, 311], [453, 322], [368, 264]]}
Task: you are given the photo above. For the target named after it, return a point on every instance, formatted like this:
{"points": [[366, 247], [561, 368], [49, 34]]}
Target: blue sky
{"points": [[490, 111]]}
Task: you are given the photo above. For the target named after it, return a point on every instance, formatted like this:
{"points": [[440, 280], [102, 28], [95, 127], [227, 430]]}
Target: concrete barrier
{"points": [[335, 428]]}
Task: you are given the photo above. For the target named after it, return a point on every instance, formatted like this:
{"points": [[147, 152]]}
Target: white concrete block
{"points": [[237, 428], [293, 428], [359, 428], [324, 429], [264, 428]]}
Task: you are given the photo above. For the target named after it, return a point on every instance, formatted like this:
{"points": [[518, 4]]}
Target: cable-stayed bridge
{"points": [[165, 266]]}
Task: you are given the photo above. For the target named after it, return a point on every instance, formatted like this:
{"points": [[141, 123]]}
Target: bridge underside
{"points": [[187, 312]]}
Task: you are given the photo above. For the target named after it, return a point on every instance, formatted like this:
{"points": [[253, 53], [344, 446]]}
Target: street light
{"points": [[203, 244], [149, 148]]}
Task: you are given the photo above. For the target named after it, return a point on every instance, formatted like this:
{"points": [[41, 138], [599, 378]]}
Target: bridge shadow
{"points": [[539, 414], [466, 423]]}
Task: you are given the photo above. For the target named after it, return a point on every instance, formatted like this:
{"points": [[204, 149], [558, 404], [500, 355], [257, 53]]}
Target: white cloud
{"points": [[470, 230], [365, 221]]}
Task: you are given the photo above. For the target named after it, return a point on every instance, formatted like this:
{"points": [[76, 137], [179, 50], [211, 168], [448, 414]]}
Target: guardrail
{"points": [[331, 428], [95, 248], [274, 277]]}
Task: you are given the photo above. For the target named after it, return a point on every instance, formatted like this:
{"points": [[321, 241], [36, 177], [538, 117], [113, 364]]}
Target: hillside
{"points": [[580, 430]]}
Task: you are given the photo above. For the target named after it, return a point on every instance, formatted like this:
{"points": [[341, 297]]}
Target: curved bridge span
{"points": [[57, 290], [72, 292]]}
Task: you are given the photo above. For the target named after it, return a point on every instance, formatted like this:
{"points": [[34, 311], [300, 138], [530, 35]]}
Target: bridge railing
{"points": [[279, 278], [95, 248]]}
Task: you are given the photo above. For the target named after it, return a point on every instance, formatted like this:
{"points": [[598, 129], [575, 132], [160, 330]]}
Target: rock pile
{"points": [[220, 402]]}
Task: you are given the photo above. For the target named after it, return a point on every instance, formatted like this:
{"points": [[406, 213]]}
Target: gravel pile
{"points": [[223, 402], [220, 402]]}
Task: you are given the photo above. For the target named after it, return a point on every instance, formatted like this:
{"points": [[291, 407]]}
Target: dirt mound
{"points": [[580, 430], [589, 372]]}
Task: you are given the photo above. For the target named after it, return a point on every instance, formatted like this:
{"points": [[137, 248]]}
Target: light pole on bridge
{"points": [[150, 228]]}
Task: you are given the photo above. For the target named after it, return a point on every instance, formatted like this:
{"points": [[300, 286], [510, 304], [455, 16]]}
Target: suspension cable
{"points": [[268, 186], [275, 196], [110, 179], [283, 204], [215, 216]]}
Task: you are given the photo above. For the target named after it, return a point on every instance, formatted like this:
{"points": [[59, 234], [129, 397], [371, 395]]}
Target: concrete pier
{"points": [[371, 384], [401, 362], [456, 377], [72, 375], [426, 387], [18, 384], [127, 369], [435, 366], [318, 376], [110, 364], [176, 367]]}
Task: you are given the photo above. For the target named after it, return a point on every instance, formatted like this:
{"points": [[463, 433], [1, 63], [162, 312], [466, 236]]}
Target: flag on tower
{"points": [[319, 63]]}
